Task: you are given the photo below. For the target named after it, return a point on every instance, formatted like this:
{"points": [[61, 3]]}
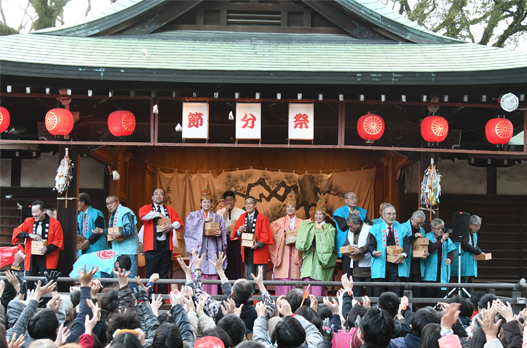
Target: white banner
{"points": [[248, 121], [195, 121], [301, 121]]}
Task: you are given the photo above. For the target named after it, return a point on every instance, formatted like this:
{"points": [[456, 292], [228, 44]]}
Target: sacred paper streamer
{"points": [[64, 176], [431, 186]]}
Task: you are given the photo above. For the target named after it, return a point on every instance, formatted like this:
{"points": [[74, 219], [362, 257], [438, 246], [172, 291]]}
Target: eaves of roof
{"points": [[131, 58]]}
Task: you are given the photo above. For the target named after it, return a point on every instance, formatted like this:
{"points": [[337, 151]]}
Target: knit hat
{"points": [[291, 199], [209, 342], [206, 194]]}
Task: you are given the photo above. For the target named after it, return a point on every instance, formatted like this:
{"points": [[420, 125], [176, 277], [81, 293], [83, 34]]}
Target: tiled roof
{"points": [[257, 53]]}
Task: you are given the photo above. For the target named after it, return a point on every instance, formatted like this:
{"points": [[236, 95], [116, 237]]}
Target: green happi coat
{"points": [[318, 250]]}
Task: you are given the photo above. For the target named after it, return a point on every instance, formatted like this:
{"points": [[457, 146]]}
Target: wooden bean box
{"points": [[112, 230], [290, 237], [248, 240], [483, 257], [35, 246], [210, 229], [420, 248], [161, 223], [393, 251]]}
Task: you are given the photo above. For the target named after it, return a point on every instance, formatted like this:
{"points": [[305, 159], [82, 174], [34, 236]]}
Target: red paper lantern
{"points": [[499, 131], [434, 129], [370, 127], [5, 118], [59, 122], [121, 123]]}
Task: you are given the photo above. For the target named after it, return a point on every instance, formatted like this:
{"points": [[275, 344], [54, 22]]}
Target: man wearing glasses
{"points": [[124, 241], [469, 266], [382, 235], [158, 243], [256, 223], [340, 216]]}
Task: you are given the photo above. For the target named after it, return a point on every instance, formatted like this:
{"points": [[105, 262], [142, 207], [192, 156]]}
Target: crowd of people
{"points": [[92, 316]]}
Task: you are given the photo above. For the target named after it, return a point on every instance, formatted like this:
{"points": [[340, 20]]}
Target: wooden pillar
{"points": [[67, 215], [492, 180]]}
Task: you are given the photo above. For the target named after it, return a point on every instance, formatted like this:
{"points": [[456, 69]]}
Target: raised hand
{"points": [[259, 279], [96, 286], [450, 315], [13, 279], [313, 302], [218, 262], [284, 308], [13, 342], [230, 308], [122, 275], [54, 303], [86, 277], [42, 290], [347, 282], [62, 335], [198, 259], [260, 309], [487, 324], [156, 304], [333, 305]]}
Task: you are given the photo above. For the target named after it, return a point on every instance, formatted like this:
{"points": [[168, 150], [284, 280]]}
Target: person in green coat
{"points": [[316, 241]]}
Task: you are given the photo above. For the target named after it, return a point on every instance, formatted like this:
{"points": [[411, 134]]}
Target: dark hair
{"points": [[165, 318], [357, 310], [129, 340], [109, 300], [486, 300], [121, 321], [474, 299], [221, 334], [466, 308], [234, 326], [39, 203], [310, 315], [250, 344], [423, 317], [43, 324], [124, 262], [389, 301], [75, 298], [250, 197], [324, 312], [84, 197], [294, 297], [242, 291], [97, 342], [229, 194], [430, 336], [118, 345], [312, 205], [377, 327], [288, 333], [167, 336], [478, 339], [159, 188]]}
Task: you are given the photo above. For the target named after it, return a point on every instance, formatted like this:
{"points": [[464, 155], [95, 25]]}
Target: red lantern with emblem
{"points": [[499, 131], [370, 127], [59, 122], [121, 123], [434, 129], [5, 118]]}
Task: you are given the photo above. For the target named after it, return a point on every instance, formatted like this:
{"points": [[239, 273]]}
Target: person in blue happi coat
{"points": [[389, 232], [436, 267]]}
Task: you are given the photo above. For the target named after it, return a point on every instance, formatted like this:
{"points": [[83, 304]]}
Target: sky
{"points": [[75, 11]]}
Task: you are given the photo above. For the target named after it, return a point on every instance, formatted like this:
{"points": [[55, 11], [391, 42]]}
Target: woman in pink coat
{"points": [[285, 258]]}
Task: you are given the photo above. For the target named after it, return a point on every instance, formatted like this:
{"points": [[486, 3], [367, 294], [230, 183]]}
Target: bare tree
{"points": [[487, 22]]}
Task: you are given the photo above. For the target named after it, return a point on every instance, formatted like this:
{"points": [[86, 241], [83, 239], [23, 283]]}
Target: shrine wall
{"points": [[41, 171], [457, 178], [461, 178]]}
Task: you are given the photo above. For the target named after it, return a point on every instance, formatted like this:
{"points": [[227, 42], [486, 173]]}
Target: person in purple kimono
{"points": [[208, 242]]}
